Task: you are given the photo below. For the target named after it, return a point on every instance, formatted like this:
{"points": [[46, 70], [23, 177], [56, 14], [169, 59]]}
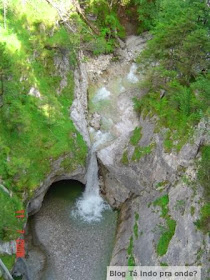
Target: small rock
{"points": [[34, 92], [96, 121], [91, 17]]}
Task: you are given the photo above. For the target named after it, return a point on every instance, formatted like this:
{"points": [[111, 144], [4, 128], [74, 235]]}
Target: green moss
{"points": [[161, 185], [179, 125], [8, 261], [166, 237], [131, 259], [140, 152], [163, 264], [178, 100], [199, 254], [168, 232], [192, 210], [135, 230], [135, 227], [125, 159], [136, 136], [9, 224], [204, 222], [130, 247], [163, 203], [34, 131]]}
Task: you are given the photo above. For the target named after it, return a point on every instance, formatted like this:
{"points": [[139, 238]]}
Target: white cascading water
{"points": [[91, 205], [132, 77]]}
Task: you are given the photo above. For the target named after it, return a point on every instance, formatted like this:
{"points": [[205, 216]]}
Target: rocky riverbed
{"points": [[71, 248]]}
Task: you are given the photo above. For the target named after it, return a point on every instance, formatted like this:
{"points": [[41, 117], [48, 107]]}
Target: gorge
{"points": [[104, 137]]}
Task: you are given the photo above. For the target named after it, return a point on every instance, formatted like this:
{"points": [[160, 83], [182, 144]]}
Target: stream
{"points": [[72, 236]]}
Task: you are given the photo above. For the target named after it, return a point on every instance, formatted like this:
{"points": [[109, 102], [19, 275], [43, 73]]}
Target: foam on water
{"points": [[90, 208], [102, 94], [101, 139], [132, 74]]}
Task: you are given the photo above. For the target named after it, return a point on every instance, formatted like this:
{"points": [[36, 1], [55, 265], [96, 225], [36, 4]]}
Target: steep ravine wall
{"points": [[63, 167], [134, 187], [158, 195], [143, 189]]}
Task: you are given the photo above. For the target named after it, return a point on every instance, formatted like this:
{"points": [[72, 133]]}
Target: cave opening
{"points": [[61, 246]]}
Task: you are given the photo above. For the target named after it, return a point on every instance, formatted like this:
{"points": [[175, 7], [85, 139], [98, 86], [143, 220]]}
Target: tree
{"points": [[180, 39]]}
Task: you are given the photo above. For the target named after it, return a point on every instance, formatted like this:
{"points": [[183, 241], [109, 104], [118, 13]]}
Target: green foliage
{"points": [[147, 12], [101, 45], [162, 202], [178, 111], [107, 19], [180, 41], [175, 64], [169, 231], [108, 26], [131, 259], [204, 170], [130, 247], [8, 261], [140, 152], [34, 131], [135, 138], [204, 222], [9, 224]]}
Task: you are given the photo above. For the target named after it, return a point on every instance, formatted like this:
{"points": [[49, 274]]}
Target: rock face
{"points": [[57, 173], [134, 185], [78, 110]]}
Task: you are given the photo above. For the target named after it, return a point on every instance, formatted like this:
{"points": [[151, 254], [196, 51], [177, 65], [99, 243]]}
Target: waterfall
{"points": [[132, 77], [91, 205]]}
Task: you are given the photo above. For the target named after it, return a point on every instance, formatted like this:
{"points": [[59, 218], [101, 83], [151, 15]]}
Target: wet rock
{"points": [[95, 121]]}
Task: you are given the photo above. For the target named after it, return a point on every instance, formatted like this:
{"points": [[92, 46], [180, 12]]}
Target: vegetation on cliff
{"points": [[35, 125], [175, 63], [36, 93]]}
